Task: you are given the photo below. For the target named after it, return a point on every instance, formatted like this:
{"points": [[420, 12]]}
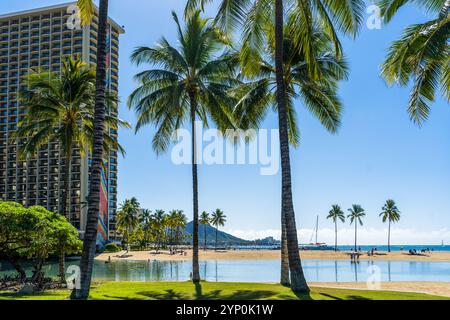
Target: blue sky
{"points": [[378, 153]]}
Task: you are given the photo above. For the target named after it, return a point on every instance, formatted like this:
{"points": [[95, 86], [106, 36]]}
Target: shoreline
{"points": [[436, 256], [432, 288]]}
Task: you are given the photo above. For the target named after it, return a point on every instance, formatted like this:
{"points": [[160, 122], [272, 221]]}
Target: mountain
{"points": [[223, 238]]}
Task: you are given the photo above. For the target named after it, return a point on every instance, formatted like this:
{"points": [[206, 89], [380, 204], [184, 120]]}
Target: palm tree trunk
{"points": [[217, 231], [65, 194], [284, 255], [389, 236], [62, 267], [298, 281], [204, 229], [356, 232], [195, 263], [90, 235], [335, 236]]}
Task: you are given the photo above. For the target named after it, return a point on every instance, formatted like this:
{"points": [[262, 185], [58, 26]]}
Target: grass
{"points": [[216, 291]]}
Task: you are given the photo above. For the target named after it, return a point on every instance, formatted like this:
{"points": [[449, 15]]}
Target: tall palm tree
{"points": [[146, 216], [422, 55], [190, 81], [180, 226], [205, 221], [146, 222], [172, 223], [128, 218], [60, 107], [318, 95], [345, 16], [356, 215], [160, 223], [391, 214], [336, 214], [87, 12], [218, 219]]}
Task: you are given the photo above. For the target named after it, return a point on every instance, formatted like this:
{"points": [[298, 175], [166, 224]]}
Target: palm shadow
{"points": [[18, 295], [199, 294]]}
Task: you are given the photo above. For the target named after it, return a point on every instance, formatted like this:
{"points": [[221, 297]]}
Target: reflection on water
{"points": [[259, 270]]}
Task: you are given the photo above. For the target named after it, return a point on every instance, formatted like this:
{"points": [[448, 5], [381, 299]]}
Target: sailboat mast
{"points": [[317, 228]]}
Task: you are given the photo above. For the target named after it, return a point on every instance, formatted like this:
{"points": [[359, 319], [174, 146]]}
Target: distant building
{"points": [[269, 241], [41, 38]]}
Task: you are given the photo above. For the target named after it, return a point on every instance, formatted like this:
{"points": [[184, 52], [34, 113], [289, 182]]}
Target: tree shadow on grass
{"points": [[211, 295], [18, 295], [166, 295], [357, 298], [199, 294], [351, 297]]}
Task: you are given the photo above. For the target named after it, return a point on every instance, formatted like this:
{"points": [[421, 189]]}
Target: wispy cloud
{"points": [[346, 236]]}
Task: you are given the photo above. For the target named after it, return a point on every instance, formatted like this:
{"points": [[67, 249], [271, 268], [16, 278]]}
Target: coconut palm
{"points": [[205, 221], [251, 15], [356, 215], [159, 225], [60, 108], [146, 216], [391, 214], [421, 55], [218, 219], [147, 224], [175, 222], [189, 81], [318, 95], [90, 236], [336, 214], [172, 223], [180, 226], [128, 218]]}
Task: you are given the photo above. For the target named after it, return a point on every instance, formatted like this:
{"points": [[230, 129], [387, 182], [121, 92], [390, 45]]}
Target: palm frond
{"points": [[347, 15], [426, 83], [87, 10]]}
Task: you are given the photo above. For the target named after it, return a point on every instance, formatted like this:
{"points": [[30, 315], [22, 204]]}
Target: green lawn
{"points": [[213, 290]]}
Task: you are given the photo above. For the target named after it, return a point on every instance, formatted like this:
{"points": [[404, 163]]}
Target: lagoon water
{"points": [[260, 270]]}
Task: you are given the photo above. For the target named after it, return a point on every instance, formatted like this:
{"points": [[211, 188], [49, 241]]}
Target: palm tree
{"points": [[60, 107], [218, 218], [390, 213], [190, 80], [146, 222], [319, 96], [180, 226], [128, 218], [336, 214], [421, 55], [160, 223], [146, 216], [344, 16], [172, 221], [90, 236], [205, 221], [356, 215]]}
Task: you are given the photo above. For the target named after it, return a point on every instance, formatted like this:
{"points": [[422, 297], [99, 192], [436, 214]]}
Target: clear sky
{"points": [[378, 153]]}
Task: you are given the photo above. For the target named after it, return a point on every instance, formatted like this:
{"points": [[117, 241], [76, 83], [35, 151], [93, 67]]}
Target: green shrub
{"points": [[112, 247]]}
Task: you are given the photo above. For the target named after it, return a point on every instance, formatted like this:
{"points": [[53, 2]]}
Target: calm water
{"points": [[261, 271], [396, 247]]}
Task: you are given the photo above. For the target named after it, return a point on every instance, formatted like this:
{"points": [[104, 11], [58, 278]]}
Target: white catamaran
{"points": [[316, 245]]}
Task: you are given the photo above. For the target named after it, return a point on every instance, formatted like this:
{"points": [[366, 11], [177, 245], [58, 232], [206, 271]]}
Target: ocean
{"points": [[383, 247], [397, 247]]}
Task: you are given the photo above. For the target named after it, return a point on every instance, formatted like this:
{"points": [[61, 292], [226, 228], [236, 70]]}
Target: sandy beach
{"points": [[270, 255], [433, 288]]}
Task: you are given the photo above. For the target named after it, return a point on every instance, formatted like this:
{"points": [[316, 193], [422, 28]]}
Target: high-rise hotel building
{"points": [[41, 38]]}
